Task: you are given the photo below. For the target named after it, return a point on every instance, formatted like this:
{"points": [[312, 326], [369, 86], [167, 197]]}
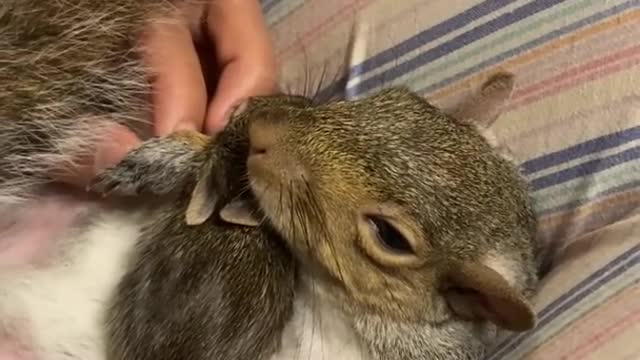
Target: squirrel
{"points": [[405, 224]]}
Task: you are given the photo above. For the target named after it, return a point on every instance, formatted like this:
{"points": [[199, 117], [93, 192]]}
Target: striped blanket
{"points": [[573, 123]]}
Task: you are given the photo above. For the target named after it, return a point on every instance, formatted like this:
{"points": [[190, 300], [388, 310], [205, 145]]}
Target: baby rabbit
{"points": [[413, 238]]}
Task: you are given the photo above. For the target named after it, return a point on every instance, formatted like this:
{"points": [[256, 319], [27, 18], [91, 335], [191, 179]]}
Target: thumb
{"points": [[107, 151]]}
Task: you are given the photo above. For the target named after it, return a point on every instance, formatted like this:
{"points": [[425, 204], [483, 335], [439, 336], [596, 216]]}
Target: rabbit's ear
{"points": [[203, 198], [475, 291], [239, 212], [484, 106]]}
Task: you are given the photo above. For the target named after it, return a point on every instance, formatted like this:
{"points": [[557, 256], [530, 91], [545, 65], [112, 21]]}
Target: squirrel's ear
{"points": [[475, 291], [484, 106], [203, 198], [239, 212]]}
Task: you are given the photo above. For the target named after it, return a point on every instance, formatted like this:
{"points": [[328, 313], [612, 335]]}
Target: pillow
{"points": [[573, 124]]}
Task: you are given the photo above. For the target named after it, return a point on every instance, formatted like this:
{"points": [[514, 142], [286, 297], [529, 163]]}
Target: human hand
{"points": [[242, 58]]}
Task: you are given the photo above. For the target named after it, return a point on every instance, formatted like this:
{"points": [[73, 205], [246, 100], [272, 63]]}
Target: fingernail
{"points": [[238, 108], [184, 126], [234, 110], [225, 118]]}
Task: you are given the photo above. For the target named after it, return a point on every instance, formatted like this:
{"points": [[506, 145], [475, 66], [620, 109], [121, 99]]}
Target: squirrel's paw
{"points": [[158, 167]]}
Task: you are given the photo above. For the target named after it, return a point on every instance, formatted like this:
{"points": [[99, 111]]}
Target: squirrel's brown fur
{"points": [[330, 164]]}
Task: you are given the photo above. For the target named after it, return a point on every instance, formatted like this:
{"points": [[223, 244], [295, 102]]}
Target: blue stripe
{"points": [[585, 169], [595, 281], [475, 34], [429, 35], [584, 201], [335, 88], [282, 16], [268, 5], [588, 147], [447, 47], [539, 41]]}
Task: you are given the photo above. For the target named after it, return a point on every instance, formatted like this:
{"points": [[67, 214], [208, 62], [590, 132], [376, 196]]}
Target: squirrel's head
{"points": [[401, 212]]}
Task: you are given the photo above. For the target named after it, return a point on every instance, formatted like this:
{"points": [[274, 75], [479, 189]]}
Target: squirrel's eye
{"points": [[389, 236]]}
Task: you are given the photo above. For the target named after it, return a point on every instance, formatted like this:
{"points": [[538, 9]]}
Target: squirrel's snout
{"points": [[272, 158], [263, 137]]}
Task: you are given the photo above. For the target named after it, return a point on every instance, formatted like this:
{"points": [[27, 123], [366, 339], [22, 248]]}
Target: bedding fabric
{"points": [[573, 124]]}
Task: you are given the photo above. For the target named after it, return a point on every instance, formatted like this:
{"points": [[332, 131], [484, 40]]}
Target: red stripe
{"points": [[313, 32], [578, 70], [597, 340], [590, 72], [564, 335]]}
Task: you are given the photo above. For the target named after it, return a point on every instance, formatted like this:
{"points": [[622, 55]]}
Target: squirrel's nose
{"points": [[263, 136]]}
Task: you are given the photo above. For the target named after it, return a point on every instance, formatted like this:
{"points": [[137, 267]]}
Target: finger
{"points": [[238, 82], [115, 146], [237, 25], [108, 151], [245, 53], [179, 92]]}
